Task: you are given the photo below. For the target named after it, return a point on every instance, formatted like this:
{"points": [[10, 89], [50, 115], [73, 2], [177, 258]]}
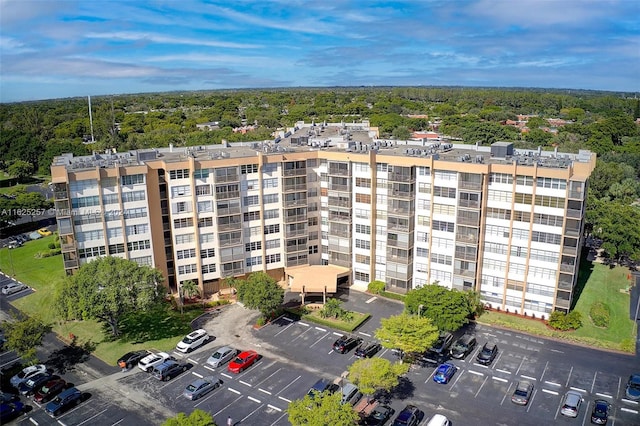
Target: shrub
{"points": [[261, 321], [51, 245], [599, 314], [561, 321], [376, 287]]}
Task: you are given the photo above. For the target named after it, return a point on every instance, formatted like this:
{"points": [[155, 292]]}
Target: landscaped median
{"points": [[339, 324]]}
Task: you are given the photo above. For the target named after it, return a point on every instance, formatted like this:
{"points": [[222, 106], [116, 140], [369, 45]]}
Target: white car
{"points": [[13, 288], [192, 341], [27, 373], [150, 361]]}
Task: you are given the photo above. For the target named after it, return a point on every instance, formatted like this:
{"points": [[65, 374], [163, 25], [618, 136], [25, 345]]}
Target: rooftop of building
{"points": [[357, 138]]}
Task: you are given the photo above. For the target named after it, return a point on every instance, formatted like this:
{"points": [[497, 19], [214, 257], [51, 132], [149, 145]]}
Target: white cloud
{"points": [[158, 38]]}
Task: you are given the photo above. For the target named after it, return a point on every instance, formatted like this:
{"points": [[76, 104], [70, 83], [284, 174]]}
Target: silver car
{"points": [[571, 404], [222, 356], [13, 288], [201, 387]]}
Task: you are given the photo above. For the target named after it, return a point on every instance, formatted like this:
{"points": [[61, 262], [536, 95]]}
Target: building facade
{"points": [[506, 223]]}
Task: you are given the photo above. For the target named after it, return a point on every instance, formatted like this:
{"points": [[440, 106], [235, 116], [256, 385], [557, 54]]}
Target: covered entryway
{"points": [[316, 279]]}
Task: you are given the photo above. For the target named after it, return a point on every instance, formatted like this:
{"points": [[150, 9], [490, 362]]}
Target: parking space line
{"points": [[274, 408], [301, 334], [506, 393], [477, 373], [545, 370], [251, 413], [303, 323], [337, 334], [283, 330], [292, 382], [61, 423], [364, 334], [619, 384], [278, 419], [430, 376], [371, 300], [12, 361], [604, 395], [226, 406], [32, 420], [118, 422], [284, 399], [197, 374], [319, 340], [629, 410], [193, 361], [578, 389], [480, 365], [528, 377], [569, 378], [480, 388], [497, 359], [264, 391], [524, 358], [254, 399], [503, 371], [457, 378], [234, 391], [92, 417], [594, 381], [550, 391], [287, 319], [321, 329], [532, 397], [500, 379], [245, 383], [628, 401], [226, 375], [552, 383], [209, 368], [269, 376]]}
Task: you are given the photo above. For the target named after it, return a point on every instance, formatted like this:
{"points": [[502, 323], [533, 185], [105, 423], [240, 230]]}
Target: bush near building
{"points": [[561, 321], [600, 314]]}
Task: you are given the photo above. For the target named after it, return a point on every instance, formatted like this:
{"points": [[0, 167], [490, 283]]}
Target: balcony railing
{"points": [[562, 303], [227, 178], [565, 285], [230, 243], [406, 245], [572, 232], [296, 202], [401, 194], [295, 218], [70, 263], [231, 272], [399, 227], [464, 272], [338, 171], [468, 221], [227, 195], [467, 238], [339, 203], [340, 188], [295, 233], [60, 195], [297, 262], [65, 230], [68, 246], [295, 172], [404, 276], [233, 226], [229, 211], [474, 186], [232, 258], [295, 187], [340, 262], [339, 248], [399, 211], [576, 195], [346, 218], [569, 250], [465, 256], [394, 177], [564, 267], [472, 204], [296, 248], [574, 214]]}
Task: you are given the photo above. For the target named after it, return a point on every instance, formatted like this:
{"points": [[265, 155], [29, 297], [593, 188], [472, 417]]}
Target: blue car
{"points": [[444, 373]]}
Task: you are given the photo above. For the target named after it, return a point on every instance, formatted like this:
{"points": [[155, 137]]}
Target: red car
{"points": [[243, 361], [50, 389]]}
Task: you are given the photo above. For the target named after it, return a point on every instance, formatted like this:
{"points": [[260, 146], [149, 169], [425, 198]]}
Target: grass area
{"points": [[160, 329], [348, 326], [597, 282]]}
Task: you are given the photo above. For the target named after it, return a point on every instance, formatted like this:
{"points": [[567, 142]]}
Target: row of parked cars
{"points": [[37, 382]]}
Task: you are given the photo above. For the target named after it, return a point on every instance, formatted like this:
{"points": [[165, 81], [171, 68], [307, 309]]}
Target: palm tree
{"points": [[190, 289]]}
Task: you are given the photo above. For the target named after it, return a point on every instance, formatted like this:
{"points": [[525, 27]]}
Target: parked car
{"points": [[30, 385], [437, 354], [63, 401], [14, 244], [444, 373], [438, 420], [192, 341], [409, 416], [243, 361], [8, 397], [571, 403], [487, 354], [49, 389], [463, 346], [379, 416], [367, 350], [323, 385], [632, 390], [27, 373], [150, 361], [44, 232], [10, 411], [350, 394], [200, 387], [169, 369], [522, 393], [345, 343], [13, 288], [222, 356], [130, 359], [600, 413]]}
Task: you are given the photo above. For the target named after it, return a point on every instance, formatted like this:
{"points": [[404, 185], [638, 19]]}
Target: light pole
{"points": [[13, 271]]}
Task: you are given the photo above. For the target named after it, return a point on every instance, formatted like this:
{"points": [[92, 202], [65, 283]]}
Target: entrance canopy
{"points": [[315, 278]]}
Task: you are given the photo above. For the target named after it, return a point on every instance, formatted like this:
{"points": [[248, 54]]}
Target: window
{"points": [[135, 213], [211, 267], [182, 223], [132, 180], [361, 276], [422, 237], [270, 183], [518, 251], [180, 191], [546, 219], [116, 248], [271, 229], [253, 261], [270, 198], [91, 235], [441, 276], [545, 237], [363, 182], [516, 269], [522, 216], [187, 269], [312, 221], [185, 254], [443, 191], [137, 229], [205, 222], [361, 258], [105, 182], [543, 273], [179, 174], [424, 220], [203, 190], [249, 216], [422, 252], [272, 244], [382, 167], [245, 169], [139, 245], [497, 265], [381, 183], [501, 196], [441, 259], [444, 209], [424, 188], [206, 253], [446, 175], [86, 219], [495, 248], [249, 185], [112, 232], [424, 171], [184, 238], [363, 244], [500, 178], [205, 206], [142, 261], [182, 207], [273, 258], [498, 213], [544, 255], [201, 173], [442, 243], [206, 238], [524, 180], [255, 245], [251, 200], [497, 231], [85, 202], [492, 281], [79, 186], [271, 214], [440, 225], [547, 201], [520, 234], [110, 199], [545, 182], [92, 252], [363, 229], [133, 196], [363, 198]]}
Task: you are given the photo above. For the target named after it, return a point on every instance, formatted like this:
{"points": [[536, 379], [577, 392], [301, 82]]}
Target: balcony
{"points": [[397, 177], [474, 186], [399, 227], [295, 218], [405, 245], [576, 195], [60, 195], [65, 230], [465, 256], [238, 257], [297, 261], [574, 214], [340, 262], [340, 249], [339, 217], [572, 233], [294, 203], [230, 243], [565, 285], [296, 249], [399, 211], [338, 171], [300, 187], [227, 178], [562, 303], [231, 272], [467, 238], [570, 250], [233, 226], [404, 276], [464, 272], [296, 233], [73, 263], [468, 221], [337, 202], [227, 195], [68, 247], [565, 267], [340, 188], [472, 204], [401, 194]]}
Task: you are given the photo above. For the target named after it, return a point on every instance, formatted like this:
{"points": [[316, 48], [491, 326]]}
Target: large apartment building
{"points": [[506, 223]]}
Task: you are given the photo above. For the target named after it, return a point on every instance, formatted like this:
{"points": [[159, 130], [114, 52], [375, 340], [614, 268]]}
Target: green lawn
{"points": [[159, 330], [600, 284]]}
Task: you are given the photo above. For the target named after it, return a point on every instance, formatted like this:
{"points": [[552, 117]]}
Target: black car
{"points": [[323, 385], [169, 369], [437, 354], [487, 354], [378, 416], [367, 350], [130, 359], [409, 416], [30, 385], [600, 413], [463, 346], [63, 401], [345, 343]]}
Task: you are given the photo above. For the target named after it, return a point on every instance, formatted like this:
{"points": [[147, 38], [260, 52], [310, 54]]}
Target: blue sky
{"points": [[53, 49]]}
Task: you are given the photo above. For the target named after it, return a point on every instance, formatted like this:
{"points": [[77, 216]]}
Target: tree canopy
{"points": [[107, 289], [197, 417], [448, 309], [260, 291], [24, 336], [321, 409], [409, 333], [372, 374]]}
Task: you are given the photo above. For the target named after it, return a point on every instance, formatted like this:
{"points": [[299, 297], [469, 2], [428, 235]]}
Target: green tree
{"points": [[190, 289], [321, 409], [448, 309], [409, 333], [20, 170], [24, 336], [260, 291], [107, 289], [333, 309], [32, 201], [372, 374], [197, 417], [401, 133], [618, 225]]}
